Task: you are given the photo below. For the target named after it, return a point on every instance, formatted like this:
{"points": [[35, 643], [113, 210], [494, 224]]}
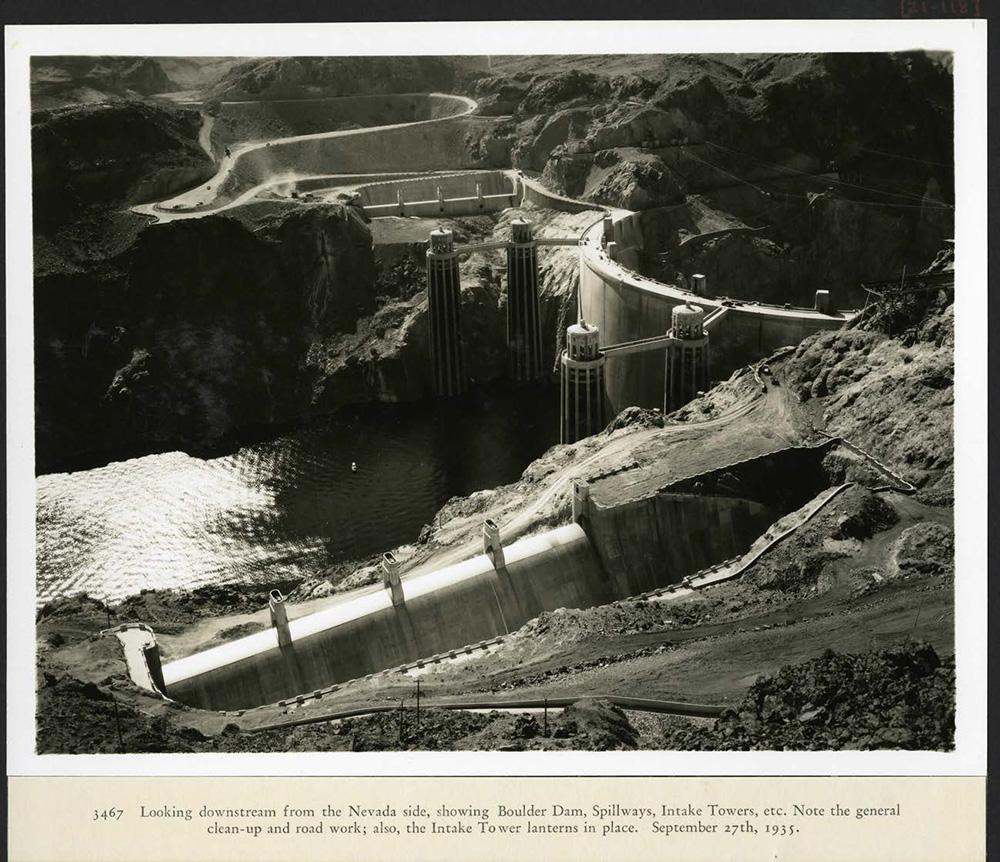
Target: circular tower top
{"points": [[583, 341], [521, 231], [442, 241], [688, 321]]}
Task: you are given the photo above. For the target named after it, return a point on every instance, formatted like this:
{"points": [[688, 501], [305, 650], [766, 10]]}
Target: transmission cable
{"points": [[828, 179]]}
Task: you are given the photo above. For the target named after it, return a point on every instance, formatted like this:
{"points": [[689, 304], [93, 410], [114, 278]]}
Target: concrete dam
{"points": [[637, 342]]}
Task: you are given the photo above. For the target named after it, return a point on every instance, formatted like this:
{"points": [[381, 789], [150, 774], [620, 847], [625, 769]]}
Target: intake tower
{"points": [[524, 328], [686, 370], [444, 312], [582, 379]]}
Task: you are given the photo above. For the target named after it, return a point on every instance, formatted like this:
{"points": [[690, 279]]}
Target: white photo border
{"points": [[966, 39]]}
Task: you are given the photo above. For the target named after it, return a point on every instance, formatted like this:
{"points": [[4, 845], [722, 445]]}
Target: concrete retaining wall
{"points": [[535, 193], [443, 610], [458, 195], [647, 544], [426, 188]]}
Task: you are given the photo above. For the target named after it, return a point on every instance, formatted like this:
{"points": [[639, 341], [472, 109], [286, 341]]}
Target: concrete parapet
{"points": [[581, 500], [391, 580], [279, 617], [493, 545]]}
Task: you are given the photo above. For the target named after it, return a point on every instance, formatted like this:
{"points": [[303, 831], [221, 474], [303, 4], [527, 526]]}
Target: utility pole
{"points": [[916, 618], [118, 726]]}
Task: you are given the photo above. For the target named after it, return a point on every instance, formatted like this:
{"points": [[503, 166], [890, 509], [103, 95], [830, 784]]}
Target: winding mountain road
{"points": [[204, 199]]}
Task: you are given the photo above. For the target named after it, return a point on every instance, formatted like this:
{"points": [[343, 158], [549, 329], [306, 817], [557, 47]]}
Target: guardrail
{"points": [[901, 485], [710, 577]]}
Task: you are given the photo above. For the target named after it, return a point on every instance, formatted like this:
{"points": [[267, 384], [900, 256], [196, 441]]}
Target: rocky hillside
{"points": [[887, 383], [195, 331], [797, 109], [902, 697], [302, 77], [71, 80], [89, 163], [835, 189]]}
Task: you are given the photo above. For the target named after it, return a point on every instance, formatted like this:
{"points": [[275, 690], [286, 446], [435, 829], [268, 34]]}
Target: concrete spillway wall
{"points": [[621, 549], [649, 543], [443, 610], [426, 188], [696, 522], [460, 194]]}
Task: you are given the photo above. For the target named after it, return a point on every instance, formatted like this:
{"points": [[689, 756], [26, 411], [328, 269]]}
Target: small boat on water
{"points": [[354, 466]]}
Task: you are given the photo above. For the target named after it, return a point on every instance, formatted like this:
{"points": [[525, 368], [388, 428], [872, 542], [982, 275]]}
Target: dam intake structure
{"points": [[524, 326], [581, 384], [424, 167], [444, 310], [662, 370], [686, 365]]}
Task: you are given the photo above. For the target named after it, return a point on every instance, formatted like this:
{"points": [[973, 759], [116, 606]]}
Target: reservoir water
{"points": [[288, 507]]}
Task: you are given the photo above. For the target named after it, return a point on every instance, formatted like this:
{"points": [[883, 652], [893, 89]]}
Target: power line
{"points": [[908, 158], [727, 173], [826, 179], [901, 206]]}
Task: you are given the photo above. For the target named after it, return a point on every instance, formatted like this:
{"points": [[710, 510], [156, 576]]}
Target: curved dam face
{"points": [[440, 611], [627, 306]]}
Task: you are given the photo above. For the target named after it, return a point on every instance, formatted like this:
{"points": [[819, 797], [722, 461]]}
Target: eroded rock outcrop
{"points": [[195, 332]]}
